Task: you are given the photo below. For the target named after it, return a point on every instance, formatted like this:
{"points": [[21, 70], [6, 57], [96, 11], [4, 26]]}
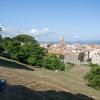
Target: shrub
{"points": [[93, 65], [53, 63], [32, 60], [22, 57], [93, 77], [81, 56]]}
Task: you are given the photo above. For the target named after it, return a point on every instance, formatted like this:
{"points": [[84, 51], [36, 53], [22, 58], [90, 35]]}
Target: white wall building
{"points": [[95, 56]]}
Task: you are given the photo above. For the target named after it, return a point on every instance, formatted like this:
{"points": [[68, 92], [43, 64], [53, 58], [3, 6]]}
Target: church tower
{"points": [[62, 41]]}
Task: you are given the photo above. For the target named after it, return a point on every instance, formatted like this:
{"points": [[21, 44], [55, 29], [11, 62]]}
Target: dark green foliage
{"points": [[7, 43], [81, 56], [1, 49], [26, 49], [26, 39], [22, 57], [93, 65], [32, 60], [53, 63], [0, 37], [93, 77]]}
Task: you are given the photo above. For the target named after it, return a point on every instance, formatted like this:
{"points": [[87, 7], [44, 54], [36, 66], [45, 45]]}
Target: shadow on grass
{"points": [[13, 64], [19, 92]]}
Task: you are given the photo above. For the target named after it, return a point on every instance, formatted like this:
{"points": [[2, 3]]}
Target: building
{"points": [[59, 49], [72, 58], [95, 56]]}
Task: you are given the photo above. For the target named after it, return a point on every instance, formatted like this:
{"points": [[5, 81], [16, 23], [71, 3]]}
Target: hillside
{"points": [[26, 83]]}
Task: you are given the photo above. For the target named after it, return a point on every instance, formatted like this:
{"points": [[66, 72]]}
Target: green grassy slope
{"points": [[42, 84]]}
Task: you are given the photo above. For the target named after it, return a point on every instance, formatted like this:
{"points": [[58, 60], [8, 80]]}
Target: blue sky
{"points": [[47, 20]]}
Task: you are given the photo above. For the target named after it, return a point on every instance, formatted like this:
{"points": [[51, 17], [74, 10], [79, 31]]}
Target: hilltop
{"points": [[43, 84]]}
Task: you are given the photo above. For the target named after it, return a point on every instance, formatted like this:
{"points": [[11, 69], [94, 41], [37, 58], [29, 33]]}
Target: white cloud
{"points": [[36, 32], [76, 36], [9, 31]]}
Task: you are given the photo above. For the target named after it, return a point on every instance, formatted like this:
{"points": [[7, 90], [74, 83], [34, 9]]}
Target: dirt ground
{"points": [[42, 84]]}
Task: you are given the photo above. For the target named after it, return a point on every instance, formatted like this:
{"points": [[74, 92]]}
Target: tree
{"points": [[27, 50], [93, 77], [53, 63], [22, 57], [26, 39], [1, 46], [0, 35], [32, 60], [81, 57]]}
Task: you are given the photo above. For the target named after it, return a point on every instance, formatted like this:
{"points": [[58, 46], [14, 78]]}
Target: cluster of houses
{"points": [[71, 51]]}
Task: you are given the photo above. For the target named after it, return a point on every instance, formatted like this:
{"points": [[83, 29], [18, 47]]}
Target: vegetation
{"points": [[93, 65], [81, 56], [26, 49], [53, 63], [44, 80], [93, 77]]}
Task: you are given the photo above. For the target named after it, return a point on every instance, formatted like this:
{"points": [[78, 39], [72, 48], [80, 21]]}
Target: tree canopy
{"points": [[26, 49], [81, 56]]}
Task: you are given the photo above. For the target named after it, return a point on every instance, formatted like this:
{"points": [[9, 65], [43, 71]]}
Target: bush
{"points": [[22, 57], [1, 49], [93, 65], [32, 60], [93, 77], [53, 63], [81, 56]]}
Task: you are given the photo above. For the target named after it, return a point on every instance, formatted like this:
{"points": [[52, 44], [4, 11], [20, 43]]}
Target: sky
{"points": [[47, 20]]}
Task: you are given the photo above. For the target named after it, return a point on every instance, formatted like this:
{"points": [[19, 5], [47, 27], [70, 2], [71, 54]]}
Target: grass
{"points": [[48, 83], [13, 64]]}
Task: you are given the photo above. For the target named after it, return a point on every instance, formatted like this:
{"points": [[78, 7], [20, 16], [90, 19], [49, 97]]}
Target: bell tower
{"points": [[62, 41]]}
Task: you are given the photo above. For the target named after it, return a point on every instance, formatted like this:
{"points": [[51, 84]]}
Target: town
{"points": [[71, 51]]}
